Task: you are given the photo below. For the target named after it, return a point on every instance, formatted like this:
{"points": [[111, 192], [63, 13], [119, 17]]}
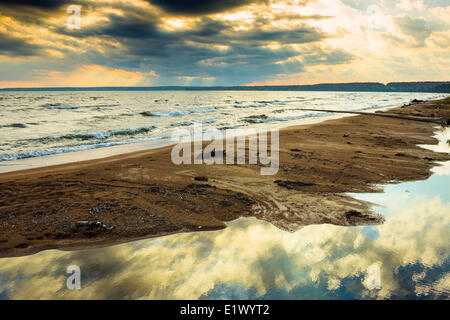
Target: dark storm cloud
{"points": [[132, 26], [242, 63], [300, 35], [136, 26], [17, 47], [41, 4], [194, 52], [210, 48], [198, 7], [35, 12]]}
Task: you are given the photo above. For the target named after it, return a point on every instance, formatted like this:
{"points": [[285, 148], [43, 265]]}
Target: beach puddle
{"points": [[253, 259]]}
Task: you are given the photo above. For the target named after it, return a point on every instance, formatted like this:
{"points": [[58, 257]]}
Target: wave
{"points": [[102, 105], [60, 150], [256, 118], [274, 102], [175, 113], [181, 124], [92, 136], [59, 106], [264, 119], [50, 105], [208, 121], [14, 125], [378, 107], [161, 114], [105, 135], [267, 101], [65, 107], [238, 106], [190, 123]]}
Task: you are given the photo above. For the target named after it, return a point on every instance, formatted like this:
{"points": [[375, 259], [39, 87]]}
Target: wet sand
{"points": [[143, 194]]}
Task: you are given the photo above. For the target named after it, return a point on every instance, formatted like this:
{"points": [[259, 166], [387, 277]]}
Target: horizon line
{"points": [[225, 86]]}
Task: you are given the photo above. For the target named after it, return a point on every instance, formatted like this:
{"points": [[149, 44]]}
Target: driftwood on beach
{"points": [[389, 115]]}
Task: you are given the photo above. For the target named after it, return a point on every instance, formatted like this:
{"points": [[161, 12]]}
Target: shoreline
{"points": [[42, 156], [143, 195], [126, 148]]}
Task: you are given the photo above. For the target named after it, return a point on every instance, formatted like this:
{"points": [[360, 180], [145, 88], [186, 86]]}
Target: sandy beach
{"points": [[143, 194]]}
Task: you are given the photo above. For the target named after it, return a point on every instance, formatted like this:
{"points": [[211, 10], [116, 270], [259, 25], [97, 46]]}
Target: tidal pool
{"points": [[252, 259]]}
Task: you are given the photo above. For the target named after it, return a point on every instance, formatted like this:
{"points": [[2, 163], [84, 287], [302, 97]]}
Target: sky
{"points": [[222, 42]]}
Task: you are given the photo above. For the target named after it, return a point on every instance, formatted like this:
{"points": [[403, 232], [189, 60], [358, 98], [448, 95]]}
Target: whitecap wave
{"points": [[175, 113]]}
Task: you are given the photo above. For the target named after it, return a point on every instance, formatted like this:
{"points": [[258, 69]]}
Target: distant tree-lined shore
{"points": [[425, 86]]}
